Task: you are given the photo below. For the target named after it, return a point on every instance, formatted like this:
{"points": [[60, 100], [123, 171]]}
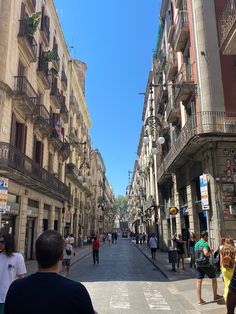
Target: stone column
{"points": [[176, 204], [39, 221], [51, 217], [21, 224]]}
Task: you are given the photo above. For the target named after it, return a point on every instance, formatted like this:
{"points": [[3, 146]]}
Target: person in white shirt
{"points": [[68, 252], [109, 237], [152, 243], [12, 266]]}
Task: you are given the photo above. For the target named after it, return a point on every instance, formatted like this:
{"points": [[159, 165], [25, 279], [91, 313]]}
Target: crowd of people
{"points": [[52, 250]]}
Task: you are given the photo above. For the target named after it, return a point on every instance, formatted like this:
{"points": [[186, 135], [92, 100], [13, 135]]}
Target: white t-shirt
{"points": [[10, 268], [153, 243], [109, 236]]}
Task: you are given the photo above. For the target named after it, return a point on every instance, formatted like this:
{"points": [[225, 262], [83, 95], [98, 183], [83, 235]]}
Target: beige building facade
{"points": [[45, 146]]}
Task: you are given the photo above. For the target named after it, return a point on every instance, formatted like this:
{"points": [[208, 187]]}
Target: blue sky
{"points": [[116, 38]]}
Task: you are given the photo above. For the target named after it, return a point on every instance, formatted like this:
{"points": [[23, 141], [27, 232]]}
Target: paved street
{"points": [[126, 281]]}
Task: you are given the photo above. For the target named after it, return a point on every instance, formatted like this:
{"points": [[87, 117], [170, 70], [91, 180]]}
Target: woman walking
{"points": [[95, 247], [152, 243], [12, 266]]}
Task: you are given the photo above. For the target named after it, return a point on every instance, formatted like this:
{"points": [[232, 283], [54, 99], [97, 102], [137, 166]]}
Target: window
{"points": [[38, 152], [50, 162], [18, 134]]}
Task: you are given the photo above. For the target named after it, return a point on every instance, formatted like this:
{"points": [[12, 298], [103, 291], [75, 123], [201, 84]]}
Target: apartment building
{"points": [[192, 82]]}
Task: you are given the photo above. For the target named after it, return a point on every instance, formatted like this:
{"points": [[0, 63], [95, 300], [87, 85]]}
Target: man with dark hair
{"points": [[204, 267], [46, 291]]}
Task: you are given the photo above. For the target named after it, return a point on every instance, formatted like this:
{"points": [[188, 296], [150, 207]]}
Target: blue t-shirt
{"points": [[47, 293], [233, 281]]}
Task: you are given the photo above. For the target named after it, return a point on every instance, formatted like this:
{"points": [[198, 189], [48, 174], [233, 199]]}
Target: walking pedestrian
{"points": [[180, 249], [116, 237], [152, 243], [46, 291], [227, 263], [203, 267], [109, 237], [12, 266], [68, 252], [231, 297], [72, 239], [95, 248], [191, 243]]}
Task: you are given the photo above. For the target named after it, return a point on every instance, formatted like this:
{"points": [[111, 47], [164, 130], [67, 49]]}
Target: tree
{"points": [[121, 209]]}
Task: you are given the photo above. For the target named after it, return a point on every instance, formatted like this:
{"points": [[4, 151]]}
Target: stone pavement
{"points": [[80, 253], [183, 282]]}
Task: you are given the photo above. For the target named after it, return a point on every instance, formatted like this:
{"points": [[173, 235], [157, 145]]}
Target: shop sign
{"points": [[204, 192], [3, 194], [173, 210]]}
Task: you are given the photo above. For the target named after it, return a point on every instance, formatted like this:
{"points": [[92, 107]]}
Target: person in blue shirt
{"points": [[231, 298]]}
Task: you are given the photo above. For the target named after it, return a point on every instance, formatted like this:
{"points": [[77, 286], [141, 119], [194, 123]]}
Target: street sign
{"points": [[204, 192], [3, 194]]}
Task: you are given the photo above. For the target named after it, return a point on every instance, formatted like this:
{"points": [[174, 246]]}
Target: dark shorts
{"points": [[201, 271], [66, 262], [153, 250]]}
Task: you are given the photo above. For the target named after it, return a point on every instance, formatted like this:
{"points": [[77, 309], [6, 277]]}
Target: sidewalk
{"points": [[183, 282], [80, 253]]}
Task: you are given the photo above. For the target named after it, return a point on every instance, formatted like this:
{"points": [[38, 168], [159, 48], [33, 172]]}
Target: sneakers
{"points": [[218, 297]]}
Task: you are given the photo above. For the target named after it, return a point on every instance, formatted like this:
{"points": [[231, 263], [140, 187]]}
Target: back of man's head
{"points": [[49, 248], [204, 234]]}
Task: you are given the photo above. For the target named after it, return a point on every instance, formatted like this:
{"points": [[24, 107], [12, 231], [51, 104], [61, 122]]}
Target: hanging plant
{"points": [[51, 55], [33, 22], [53, 72]]}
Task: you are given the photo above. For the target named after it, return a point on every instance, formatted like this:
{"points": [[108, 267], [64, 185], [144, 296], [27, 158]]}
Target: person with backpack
{"points": [[67, 255], [227, 263], [204, 267]]}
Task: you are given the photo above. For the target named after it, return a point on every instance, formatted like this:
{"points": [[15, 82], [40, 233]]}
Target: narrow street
{"points": [[125, 281]]}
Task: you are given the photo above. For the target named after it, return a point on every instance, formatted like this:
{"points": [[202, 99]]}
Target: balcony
{"points": [[27, 42], [45, 33], [20, 168], [65, 150], [64, 79], [55, 140], [171, 66], [73, 173], [227, 28], [55, 96], [25, 97], [162, 98], [41, 120], [77, 202], [172, 113], [64, 111], [184, 84], [206, 126], [31, 4], [181, 31], [73, 103], [43, 72], [73, 135], [170, 27], [178, 4]]}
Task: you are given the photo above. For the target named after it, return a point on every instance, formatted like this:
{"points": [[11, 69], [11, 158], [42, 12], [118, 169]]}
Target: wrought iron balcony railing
{"points": [[64, 78], [227, 20], [212, 123], [26, 171], [23, 88], [181, 30], [30, 44]]}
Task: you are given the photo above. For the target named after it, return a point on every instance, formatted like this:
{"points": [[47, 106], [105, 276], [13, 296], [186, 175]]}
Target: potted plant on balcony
{"points": [[50, 56], [32, 23]]}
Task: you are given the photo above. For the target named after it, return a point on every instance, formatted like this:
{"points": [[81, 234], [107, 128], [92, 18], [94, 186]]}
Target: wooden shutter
{"points": [[13, 129], [22, 11], [24, 138], [41, 154]]}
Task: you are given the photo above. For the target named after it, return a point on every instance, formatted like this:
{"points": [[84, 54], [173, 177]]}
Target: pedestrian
{"points": [[144, 238], [46, 291], [204, 267], [227, 263], [109, 237], [12, 266], [152, 243], [95, 248], [116, 237], [68, 252], [231, 297], [140, 238], [137, 238], [180, 249], [191, 243], [72, 239]]}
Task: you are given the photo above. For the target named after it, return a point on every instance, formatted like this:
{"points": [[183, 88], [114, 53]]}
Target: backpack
{"points": [[200, 258], [228, 256], [68, 251]]}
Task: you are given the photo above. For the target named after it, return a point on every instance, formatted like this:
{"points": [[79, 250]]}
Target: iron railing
{"points": [[227, 20], [11, 157], [24, 88], [181, 22], [41, 112], [43, 65], [64, 77], [25, 33], [202, 123]]}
